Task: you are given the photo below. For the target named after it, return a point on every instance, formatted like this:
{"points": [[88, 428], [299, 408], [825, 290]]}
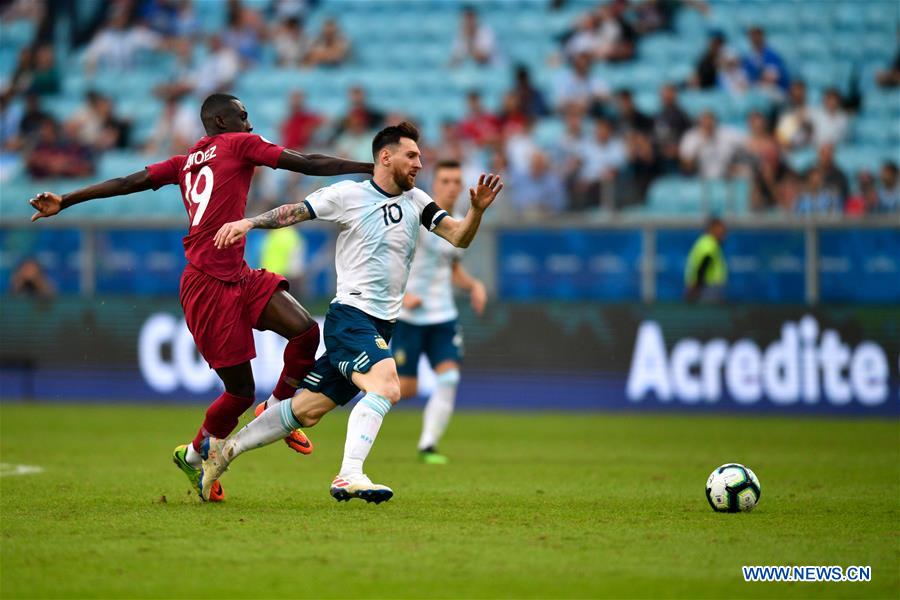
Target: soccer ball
{"points": [[732, 488]]}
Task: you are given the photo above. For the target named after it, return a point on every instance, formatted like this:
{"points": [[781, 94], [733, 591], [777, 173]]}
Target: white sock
{"points": [[193, 457], [272, 401], [362, 429], [439, 409], [272, 425]]}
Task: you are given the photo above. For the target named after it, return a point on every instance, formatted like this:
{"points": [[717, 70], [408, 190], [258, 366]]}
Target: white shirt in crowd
{"points": [[118, 48], [216, 72], [570, 88], [483, 43], [828, 127], [713, 155], [598, 159]]}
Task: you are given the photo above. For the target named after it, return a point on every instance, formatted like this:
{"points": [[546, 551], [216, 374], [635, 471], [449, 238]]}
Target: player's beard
{"points": [[404, 181]]}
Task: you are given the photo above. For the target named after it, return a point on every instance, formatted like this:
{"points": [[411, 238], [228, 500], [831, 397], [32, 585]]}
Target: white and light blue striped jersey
{"points": [[376, 243], [431, 278]]}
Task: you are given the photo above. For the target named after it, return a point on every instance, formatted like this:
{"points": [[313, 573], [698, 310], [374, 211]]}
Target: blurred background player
{"points": [[706, 273], [379, 224], [223, 299], [428, 318]]}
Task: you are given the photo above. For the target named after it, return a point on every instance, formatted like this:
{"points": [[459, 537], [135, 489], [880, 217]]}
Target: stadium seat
{"points": [[825, 73], [849, 17], [698, 101], [813, 15], [813, 48], [690, 196], [882, 103], [855, 158], [825, 43], [119, 163], [548, 131], [18, 34], [869, 130]]}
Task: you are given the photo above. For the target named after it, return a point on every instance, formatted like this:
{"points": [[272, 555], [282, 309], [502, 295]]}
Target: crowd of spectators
{"points": [[608, 154]]}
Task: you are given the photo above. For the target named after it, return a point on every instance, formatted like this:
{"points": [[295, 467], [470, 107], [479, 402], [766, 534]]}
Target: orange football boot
{"points": [[296, 441]]}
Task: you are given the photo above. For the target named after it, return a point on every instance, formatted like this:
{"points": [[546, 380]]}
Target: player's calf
{"points": [[295, 440], [222, 416]]}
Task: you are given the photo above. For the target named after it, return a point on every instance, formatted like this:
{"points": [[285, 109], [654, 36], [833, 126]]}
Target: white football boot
{"points": [[214, 465], [359, 486]]}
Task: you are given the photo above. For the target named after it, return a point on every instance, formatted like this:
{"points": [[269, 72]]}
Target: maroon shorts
{"points": [[221, 315]]}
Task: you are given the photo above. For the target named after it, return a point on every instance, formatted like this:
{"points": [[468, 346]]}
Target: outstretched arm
{"points": [[48, 204], [461, 233], [283, 216], [321, 164]]}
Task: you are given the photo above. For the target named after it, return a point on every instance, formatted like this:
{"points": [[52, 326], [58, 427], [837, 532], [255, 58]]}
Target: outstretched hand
{"points": [[487, 189], [231, 233], [46, 204]]}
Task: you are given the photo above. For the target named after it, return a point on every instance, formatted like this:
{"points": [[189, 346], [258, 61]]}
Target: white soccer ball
{"points": [[732, 488]]}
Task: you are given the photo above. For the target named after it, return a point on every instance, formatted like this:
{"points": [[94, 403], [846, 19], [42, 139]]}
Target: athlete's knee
{"points": [[388, 386], [287, 317], [244, 389], [305, 326], [448, 378]]}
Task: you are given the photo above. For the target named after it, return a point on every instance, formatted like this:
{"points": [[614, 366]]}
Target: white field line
{"points": [[7, 469]]}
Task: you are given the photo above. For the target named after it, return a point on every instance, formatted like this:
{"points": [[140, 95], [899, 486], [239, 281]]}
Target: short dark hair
{"points": [[714, 221], [392, 135], [213, 107], [447, 163]]}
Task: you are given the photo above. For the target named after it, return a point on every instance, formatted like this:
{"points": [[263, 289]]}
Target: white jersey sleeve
{"points": [[326, 204], [430, 213]]}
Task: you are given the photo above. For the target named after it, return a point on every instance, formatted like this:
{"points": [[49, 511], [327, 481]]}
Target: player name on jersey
{"points": [[201, 156]]}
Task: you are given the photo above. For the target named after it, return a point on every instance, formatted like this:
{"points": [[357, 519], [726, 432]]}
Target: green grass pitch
{"points": [[532, 505]]}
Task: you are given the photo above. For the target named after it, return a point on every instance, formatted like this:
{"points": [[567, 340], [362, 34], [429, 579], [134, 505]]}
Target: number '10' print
{"points": [[388, 213]]}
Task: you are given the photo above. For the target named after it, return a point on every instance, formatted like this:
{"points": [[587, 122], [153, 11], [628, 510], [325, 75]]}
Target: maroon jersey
{"points": [[214, 178]]}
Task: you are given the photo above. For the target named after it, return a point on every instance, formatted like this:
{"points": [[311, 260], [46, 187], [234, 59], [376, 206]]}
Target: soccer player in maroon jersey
{"points": [[223, 299]]}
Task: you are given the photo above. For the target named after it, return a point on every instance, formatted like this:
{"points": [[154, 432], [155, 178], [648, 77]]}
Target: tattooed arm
{"points": [[283, 216]]}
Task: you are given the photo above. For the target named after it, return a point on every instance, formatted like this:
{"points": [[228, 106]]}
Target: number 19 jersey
{"points": [[376, 243], [214, 177]]}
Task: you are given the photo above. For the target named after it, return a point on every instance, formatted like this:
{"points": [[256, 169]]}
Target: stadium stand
{"points": [[400, 54]]}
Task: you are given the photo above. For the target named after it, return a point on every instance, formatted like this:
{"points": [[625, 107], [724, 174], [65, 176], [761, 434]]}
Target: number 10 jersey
{"points": [[214, 177], [376, 243]]}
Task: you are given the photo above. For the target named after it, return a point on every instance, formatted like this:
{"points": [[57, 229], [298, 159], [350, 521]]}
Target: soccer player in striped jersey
{"points": [[428, 318], [379, 223]]}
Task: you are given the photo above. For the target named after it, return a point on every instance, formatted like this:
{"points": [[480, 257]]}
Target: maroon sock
{"points": [[222, 417], [299, 358]]}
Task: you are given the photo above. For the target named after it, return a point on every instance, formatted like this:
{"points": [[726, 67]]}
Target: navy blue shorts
{"points": [[354, 341], [439, 342]]}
